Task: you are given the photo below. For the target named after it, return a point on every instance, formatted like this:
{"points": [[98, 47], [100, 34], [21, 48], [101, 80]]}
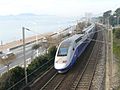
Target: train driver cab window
{"points": [[63, 51]]}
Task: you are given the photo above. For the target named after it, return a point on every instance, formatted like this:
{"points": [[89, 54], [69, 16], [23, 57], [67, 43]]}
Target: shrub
{"points": [[37, 62], [11, 77], [52, 51], [35, 46], [117, 33]]}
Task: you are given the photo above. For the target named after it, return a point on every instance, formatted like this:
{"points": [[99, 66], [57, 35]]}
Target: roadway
{"points": [[19, 61]]}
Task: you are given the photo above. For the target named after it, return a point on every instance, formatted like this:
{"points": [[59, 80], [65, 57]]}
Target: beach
{"points": [[17, 43]]}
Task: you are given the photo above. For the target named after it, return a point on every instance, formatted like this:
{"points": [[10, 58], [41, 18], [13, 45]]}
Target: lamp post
{"points": [[23, 32]]}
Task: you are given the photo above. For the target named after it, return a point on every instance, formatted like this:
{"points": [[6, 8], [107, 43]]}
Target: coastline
{"points": [[18, 43]]}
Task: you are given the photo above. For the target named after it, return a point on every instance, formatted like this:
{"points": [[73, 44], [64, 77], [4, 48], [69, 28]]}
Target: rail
{"points": [[83, 81]]}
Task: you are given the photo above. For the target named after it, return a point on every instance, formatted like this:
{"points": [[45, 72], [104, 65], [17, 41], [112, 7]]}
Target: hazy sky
{"points": [[57, 7]]}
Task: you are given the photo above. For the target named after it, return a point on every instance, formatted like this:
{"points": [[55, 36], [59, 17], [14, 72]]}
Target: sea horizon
{"points": [[11, 26]]}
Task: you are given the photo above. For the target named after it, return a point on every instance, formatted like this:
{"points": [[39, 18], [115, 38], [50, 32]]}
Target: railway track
{"points": [[84, 81], [41, 80], [54, 82], [79, 77], [83, 78]]}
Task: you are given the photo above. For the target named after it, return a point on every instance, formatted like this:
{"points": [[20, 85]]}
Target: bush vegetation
{"points": [[14, 75], [117, 33], [116, 48], [11, 77], [116, 42], [35, 46]]}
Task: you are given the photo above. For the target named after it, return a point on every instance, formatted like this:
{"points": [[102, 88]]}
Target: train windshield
{"points": [[63, 51]]}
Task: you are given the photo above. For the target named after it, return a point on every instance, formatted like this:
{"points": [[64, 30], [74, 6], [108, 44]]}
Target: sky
{"points": [[65, 8]]}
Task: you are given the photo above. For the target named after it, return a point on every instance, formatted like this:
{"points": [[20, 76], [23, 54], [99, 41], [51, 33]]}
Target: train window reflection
{"points": [[63, 51]]}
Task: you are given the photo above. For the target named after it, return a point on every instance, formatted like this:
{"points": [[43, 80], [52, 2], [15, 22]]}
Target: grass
{"points": [[116, 51], [116, 46]]}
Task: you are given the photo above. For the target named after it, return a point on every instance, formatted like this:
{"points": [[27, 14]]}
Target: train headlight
{"points": [[56, 62], [64, 61]]}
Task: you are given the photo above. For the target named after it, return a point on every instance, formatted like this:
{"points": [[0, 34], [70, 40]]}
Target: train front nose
{"points": [[60, 63], [60, 66]]}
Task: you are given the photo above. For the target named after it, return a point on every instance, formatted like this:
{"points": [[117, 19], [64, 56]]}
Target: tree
{"points": [[39, 61], [100, 19], [117, 14], [117, 33], [117, 11], [106, 16], [35, 46], [112, 20], [52, 51]]}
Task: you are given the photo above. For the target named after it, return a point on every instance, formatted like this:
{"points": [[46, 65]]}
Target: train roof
{"points": [[72, 39], [89, 28]]}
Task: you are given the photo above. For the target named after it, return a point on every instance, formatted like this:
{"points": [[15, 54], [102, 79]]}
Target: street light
{"points": [[23, 32]]}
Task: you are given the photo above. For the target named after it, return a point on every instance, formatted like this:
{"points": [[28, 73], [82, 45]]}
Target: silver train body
{"points": [[71, 48]]}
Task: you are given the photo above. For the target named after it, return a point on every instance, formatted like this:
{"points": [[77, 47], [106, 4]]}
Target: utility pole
{"points": [[37, 44], [111, 49], [107, 60], [110, 44], [108, 23], [23, 31], [118, 21]]}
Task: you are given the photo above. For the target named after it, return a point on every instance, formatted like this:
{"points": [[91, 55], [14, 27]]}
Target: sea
{"points": [[11, 26]]}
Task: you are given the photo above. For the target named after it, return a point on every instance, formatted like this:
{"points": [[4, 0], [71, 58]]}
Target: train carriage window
{"points": [[77, 40], [90, 31], [63, 51]]}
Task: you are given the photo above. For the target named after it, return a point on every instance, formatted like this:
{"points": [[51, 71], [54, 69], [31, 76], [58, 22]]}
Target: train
{"points": [[71, 48]]}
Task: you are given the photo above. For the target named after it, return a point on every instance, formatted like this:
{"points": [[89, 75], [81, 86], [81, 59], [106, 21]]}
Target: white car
{"points": [[8, 55]]}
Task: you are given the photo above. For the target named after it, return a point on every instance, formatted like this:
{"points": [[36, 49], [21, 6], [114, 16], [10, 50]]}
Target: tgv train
{"points": [[71, 48]]}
